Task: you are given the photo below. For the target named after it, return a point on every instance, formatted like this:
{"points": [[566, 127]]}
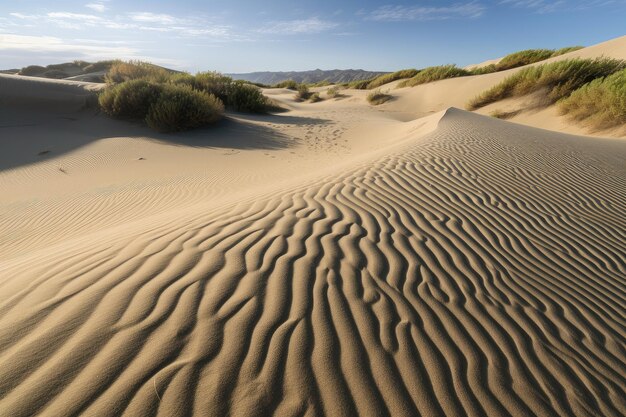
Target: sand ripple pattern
{"points": [[468, 273]]}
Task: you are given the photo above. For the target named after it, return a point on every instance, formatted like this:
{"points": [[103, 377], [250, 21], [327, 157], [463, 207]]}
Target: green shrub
{"points": [[242, 96], [378, 97], [521, 58], [487, 69], [530, 56], [559, 79], [288, 84], [359, 84], [134, 70], [303, 92], [601, 103], [130, 100], [431, 74], [565, 50], [213, 83], [387, 78], [180, 107]]}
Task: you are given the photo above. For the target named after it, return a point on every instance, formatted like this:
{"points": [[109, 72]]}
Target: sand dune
{"points": [[338, 259], [415, 102], [474, 270]]}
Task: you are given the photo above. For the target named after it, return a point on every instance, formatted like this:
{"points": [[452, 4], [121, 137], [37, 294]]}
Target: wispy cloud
{"points": [[549, 6], [98, 7], [36, 48], [391, 13], [147, 17], [539, 6], [137, 21], [53, 44], [299, 27]]}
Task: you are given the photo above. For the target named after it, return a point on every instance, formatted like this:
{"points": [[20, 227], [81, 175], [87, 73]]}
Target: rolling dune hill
{"points": [[338, 259]]}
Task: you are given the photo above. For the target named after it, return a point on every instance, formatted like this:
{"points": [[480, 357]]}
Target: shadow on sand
{"points": [[28, 136]]}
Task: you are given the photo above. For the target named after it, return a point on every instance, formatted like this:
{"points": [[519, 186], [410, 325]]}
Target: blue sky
{"points": [[247, 35]]}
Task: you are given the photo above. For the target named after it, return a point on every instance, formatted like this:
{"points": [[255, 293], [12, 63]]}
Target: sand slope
{"points": [[467, 266]]}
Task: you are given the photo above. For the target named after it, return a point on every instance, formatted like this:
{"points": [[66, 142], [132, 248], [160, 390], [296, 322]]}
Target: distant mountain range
{"points": [[333, 76]]}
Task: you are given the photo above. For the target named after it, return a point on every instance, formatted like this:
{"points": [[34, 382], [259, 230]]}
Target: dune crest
{"points": [[469, 267]]}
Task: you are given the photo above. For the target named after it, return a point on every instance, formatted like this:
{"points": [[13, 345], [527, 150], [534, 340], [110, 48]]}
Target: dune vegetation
{"points": [[415, 77], [394, 76], [530, 56], [559, 79], [377, 97], [315, 97], [436, 73], [180, 107], [358, 84], [302, 92], [288, 84], [69, 69], [600, 103], [173, 101], [333, 92]]}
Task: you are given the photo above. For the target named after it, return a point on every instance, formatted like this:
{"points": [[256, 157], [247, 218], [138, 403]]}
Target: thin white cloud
{"points": [[23, 16], [549, 6], [298, 27], [539, 6], [147, 17], [392, 13], [29, 47], [98, 7], [139, 21], [54, 44]]}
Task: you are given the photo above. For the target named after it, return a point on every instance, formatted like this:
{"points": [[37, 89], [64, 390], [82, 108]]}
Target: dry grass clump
{"points": [[559, 79], [303, 92], [387, 78], [288, 84], [499, 114], [100, 66], [377, 97], [431, 74], [315, 97], [134, 70], [600, 103], [322, 83], [333, 92], [358, 84]]}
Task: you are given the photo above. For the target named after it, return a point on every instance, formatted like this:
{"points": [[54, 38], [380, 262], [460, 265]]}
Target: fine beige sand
{"points": [[410, 259]]}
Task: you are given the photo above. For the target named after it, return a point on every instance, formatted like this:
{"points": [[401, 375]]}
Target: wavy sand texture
{"points": [[475, 270]]}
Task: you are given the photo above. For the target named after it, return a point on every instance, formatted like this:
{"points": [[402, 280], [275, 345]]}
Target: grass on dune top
{"points": [[600, 103], [436, 73], [559, 79], [530, 56]]}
